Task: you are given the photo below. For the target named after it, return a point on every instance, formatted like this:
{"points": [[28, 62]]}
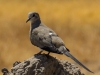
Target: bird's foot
{"points": [[47, 55]]}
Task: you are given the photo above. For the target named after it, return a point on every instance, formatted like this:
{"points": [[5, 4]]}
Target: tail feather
{"points": [[72, 57]]}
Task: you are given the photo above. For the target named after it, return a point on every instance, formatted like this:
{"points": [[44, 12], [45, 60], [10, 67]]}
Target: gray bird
{"points": [[46, 39]]}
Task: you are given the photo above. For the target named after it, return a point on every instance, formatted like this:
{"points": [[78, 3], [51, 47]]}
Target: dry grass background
{"points": [[77, 22]]}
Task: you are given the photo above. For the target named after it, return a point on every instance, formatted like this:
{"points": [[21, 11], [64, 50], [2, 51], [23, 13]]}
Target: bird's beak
{"points": [[28, 20]]}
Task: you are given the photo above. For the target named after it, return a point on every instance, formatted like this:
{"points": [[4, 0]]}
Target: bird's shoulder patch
{"points": [[51, 33]]}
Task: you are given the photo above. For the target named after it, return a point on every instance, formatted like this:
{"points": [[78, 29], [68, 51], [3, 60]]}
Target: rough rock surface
{"points": [[43, 64]]}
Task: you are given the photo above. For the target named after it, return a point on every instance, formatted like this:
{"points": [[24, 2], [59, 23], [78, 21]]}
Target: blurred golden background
{"points": [[77, 22]]}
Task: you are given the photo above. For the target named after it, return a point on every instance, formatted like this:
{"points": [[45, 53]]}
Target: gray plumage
{"points": [[46, 39]]}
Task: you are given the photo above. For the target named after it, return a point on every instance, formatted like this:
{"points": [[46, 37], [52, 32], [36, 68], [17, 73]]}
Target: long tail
{"points": [[72, 57]]}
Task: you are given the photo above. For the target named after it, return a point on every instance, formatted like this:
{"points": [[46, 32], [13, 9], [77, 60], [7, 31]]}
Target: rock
{"points": [[42, 64]]}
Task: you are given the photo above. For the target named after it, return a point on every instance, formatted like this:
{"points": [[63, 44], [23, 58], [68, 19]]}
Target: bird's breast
{"points": [[36, 38]]}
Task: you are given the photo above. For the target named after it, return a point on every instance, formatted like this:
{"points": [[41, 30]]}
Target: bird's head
{"points": [[32, 16]]}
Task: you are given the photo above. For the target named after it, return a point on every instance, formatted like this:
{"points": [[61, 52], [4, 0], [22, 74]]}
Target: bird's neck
{"points": [[35, 23]]}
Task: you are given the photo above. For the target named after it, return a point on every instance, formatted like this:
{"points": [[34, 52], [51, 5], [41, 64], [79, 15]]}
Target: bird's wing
{"points": [[46, 39]]}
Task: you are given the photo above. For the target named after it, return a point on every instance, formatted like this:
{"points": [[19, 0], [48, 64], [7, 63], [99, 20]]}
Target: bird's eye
{"points": [[33, 15]]}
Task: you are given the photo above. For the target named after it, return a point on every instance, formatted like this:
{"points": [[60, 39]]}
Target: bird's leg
{"points": [[40, 52], [48, 53]]}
